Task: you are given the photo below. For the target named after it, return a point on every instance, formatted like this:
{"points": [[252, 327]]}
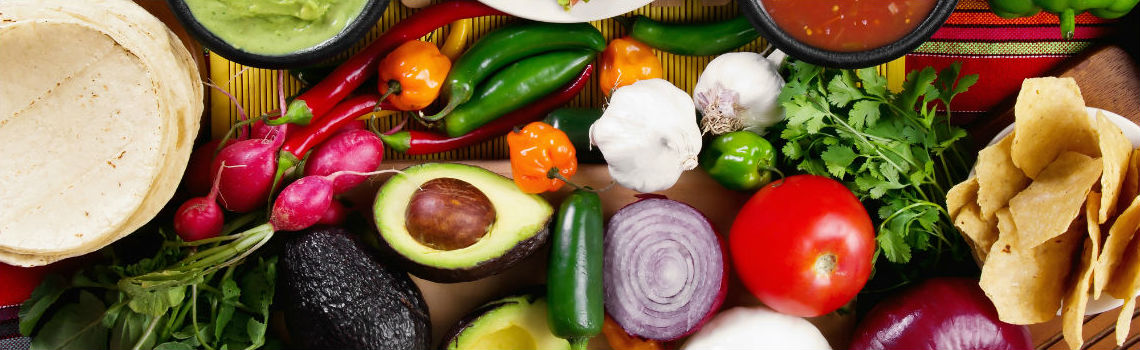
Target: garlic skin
{"points": [[648, 135], [739, 91]]}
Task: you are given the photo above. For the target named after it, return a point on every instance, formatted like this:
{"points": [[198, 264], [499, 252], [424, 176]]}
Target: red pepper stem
{"points": [[394, 88]]}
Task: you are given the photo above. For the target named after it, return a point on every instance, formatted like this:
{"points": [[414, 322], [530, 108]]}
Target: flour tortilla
{"points": [[174, 85]]}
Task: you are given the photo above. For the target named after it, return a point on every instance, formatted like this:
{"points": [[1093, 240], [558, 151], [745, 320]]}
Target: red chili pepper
{"points": [[415, 142], [300, 141], [319, 99]]}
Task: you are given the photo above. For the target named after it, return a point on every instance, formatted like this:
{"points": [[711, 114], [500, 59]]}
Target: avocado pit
{"points": [[448, 214]]}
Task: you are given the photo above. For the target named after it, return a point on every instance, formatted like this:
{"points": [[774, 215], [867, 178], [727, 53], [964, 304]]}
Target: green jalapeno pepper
{"points": [[510, 44], [575, 122], [740, 160], [517, 85], [704, 39], [1067, 10], [574, 276]]}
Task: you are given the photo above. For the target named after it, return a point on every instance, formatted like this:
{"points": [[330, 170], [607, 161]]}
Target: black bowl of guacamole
{"points": [[278, 34]]}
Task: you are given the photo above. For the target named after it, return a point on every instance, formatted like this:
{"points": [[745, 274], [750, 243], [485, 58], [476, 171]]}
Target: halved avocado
{"points": [[518, 227], [516, 322]]}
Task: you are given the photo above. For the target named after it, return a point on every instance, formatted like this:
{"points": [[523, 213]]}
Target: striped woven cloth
{"points": [[1002, 51]]}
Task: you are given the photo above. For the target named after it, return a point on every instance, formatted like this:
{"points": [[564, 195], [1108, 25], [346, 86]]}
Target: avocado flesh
{"points": [[517, 323], [520, 226], [336, 295]]}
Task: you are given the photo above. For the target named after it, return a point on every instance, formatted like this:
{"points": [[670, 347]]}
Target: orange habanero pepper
{"points": [[415, 72], [542, 157], [620, 340], [626, 61]]}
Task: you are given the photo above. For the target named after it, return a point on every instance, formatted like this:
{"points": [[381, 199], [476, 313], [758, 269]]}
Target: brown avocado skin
{"points": [[336, 294], [524, 249]]}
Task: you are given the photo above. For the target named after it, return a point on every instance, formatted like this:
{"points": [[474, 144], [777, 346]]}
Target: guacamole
{"points": [[275, 27]]}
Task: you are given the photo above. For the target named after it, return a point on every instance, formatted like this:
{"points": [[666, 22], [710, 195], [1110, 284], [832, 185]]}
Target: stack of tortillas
{"points": [[99, 106]]}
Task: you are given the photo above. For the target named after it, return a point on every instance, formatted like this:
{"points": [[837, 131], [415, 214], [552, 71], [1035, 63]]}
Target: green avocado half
{"points": [[519, 227], [516, 322]]}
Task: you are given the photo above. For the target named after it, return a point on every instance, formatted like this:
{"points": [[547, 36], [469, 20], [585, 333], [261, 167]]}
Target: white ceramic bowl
{"points": [[1132, 132], [550, 11]]}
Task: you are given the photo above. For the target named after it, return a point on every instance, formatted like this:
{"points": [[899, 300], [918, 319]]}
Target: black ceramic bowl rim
{"points": [[767, 27], [352, 32]]}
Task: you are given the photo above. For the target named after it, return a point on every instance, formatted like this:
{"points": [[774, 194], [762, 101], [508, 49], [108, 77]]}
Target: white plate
{"points": [[550, 11], [1132, 132]]}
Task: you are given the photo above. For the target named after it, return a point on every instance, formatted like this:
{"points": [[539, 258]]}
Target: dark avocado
{"points": [[519, 227], [336, 295], [514, 322]]}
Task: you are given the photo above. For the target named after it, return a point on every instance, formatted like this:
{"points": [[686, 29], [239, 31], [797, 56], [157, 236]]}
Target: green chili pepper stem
{"points": [[705, 39], [507, 45], [574, 275]]}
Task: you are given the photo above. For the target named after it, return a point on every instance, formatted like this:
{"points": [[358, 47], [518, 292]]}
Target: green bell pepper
{"points": [[1067, 10], [740, 160]]}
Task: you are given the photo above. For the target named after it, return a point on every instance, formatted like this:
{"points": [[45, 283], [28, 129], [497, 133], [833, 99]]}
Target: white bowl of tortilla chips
{"points": [[99, 106], [1036, 205]]}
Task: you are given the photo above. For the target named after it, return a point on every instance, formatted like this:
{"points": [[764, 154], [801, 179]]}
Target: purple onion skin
{"points": [[637, 323], [940, 313]]}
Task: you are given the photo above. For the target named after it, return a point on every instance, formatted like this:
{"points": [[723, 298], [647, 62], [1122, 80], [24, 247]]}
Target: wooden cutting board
{"points": [[1109, 79]]}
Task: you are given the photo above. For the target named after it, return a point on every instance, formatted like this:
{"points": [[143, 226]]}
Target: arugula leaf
{"points": [[170, 345], [45, 294], [74, 326]]}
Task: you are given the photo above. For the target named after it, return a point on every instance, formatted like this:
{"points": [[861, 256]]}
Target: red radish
{"points": [[270, 132], [200, 217], [197, 180], [353, 125], [251, 166], [303, 203], [356, 150], [335, 215]]}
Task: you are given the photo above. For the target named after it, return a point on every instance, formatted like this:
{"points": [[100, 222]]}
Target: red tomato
{"points": [[803, 245]]}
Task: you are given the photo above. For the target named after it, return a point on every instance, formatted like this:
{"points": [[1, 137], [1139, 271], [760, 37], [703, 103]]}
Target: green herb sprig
{"points": [[896, 152]]}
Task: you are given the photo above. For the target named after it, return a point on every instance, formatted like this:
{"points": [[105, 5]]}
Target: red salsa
{"points": [[848, 25]]}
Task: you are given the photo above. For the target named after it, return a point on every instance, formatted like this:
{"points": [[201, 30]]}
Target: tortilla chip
{"points": [[1119, 236], [1115, 150], [1050, 120], [979, 232], [960, 195], [1124, 280], [1124, 320], [1027, 285], [1131, 186], [1047, 207], [1073, 311], [998, 178], [1092, 206]]}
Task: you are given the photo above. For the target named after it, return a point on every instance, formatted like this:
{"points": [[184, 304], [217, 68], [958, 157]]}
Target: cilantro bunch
{"points": [[896, 152]]}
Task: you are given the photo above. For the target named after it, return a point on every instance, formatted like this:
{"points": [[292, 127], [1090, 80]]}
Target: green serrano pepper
{"points": [[575, 122], [575, 308], [510, 44], [703, 39], [515, 86]]}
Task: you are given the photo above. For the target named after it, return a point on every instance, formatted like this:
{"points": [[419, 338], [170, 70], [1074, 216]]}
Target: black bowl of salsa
{"points": [[278, 34], [847, 33]]}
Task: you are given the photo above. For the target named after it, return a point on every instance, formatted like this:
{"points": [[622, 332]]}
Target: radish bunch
{"points": [[243, 174]]}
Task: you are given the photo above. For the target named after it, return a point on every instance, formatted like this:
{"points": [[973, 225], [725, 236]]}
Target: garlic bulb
{"points": [[738, 91], [648, 135]]}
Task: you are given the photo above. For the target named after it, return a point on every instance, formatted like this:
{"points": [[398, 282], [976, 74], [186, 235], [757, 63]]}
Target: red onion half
{"points": [[664, 269], [940, 313]]}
